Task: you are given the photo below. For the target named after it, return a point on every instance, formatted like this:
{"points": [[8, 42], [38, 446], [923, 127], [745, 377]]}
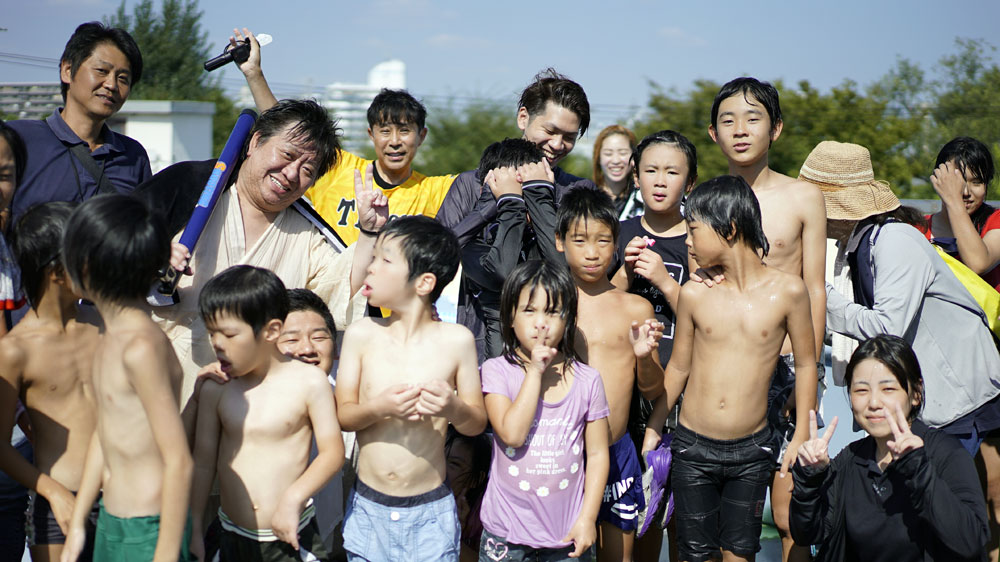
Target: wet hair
{"points": [[428, 246], [971, 156], [560, 296], [584, 203], [396, 107], [311, 126], [37, 244], [550, 86], [253, 294], [729, 206], [114, 247], [605, 134], [17, 147], [672, 138], [87, 37], [761, 92], [508, 152], [308, 301], [898, 357]]}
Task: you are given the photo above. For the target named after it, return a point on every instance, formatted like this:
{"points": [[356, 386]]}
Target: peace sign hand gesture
{"points": [[373, 205], [903, 440], [816, 451]]}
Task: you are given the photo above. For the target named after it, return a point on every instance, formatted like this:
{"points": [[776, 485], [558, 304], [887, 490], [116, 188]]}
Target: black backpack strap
{"points": [[96, 171]]}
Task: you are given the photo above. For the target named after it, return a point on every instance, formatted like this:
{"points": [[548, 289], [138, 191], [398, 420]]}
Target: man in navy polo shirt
{"points": [[73, 155]]}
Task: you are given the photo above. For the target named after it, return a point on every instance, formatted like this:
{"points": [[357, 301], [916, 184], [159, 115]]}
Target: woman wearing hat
{"points": [[900, 286], [894, 282]]}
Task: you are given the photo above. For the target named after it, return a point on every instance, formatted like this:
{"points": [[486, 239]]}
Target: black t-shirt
{"points": [[673, 251]]}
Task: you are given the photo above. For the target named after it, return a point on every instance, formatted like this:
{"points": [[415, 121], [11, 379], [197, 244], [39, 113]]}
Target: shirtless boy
{"points": [[112, 249], [726, 346], [45, 362], [618, 335], [400, 382], [746, 119], [255, 431]]}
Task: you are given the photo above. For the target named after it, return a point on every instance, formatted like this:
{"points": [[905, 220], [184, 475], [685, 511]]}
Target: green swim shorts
{"points": [[132, 539]]}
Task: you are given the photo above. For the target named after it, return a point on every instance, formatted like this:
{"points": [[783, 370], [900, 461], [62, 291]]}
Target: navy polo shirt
{"points": [[52, 172]]}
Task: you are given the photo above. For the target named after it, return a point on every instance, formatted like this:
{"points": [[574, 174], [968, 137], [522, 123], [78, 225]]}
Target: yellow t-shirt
{"points": [[333, 195]]}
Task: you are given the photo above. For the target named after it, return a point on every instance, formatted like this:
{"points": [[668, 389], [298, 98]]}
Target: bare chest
{"points": [[783, 229], [58, 369], [383, 366], [734, 319], [263, 413]]}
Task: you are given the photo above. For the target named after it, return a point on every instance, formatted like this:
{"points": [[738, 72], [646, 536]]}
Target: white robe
{"points": [[291, 247]]}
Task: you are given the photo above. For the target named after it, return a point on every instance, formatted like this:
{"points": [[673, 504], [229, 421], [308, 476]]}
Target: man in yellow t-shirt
{"points": [[396, 128]]}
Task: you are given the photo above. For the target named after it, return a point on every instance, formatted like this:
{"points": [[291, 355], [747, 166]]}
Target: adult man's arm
{"points": [[460, 212], [263, 98]]}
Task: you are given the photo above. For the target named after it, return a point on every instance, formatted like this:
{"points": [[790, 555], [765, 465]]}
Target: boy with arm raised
{"points": [[618, 336]]}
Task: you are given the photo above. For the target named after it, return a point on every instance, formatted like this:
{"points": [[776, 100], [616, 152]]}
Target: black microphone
{"points": [[240, 53]]}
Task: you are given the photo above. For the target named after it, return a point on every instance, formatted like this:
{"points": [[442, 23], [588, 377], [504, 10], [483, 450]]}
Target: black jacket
{"points": [[933, 509], [489, 258]]}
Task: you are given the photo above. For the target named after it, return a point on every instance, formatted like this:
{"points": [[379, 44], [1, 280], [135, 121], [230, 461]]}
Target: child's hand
{"points": [[645, 337], [76, 539], [196, 546], [650, 265], [536, 171], [650, 440], [180, 258], [634, 247], [949, 183], [541, 357], [400, 401], [503, 181], [285, 521], [373, 205], [816, 451], [710, 276], [582, 534], [212, 371], [436, 398], [61, 503]]}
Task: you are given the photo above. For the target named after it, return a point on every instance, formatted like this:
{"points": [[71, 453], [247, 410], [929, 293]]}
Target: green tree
{"points": [[456, 137], [967, 95], [173, 49]]}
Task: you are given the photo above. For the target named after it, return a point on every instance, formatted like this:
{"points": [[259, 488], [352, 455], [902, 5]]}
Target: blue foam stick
{"points": [[210, 194]]}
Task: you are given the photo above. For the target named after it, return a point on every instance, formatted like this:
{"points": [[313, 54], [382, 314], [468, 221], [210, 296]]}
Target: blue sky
{"points": [[491, 50]]}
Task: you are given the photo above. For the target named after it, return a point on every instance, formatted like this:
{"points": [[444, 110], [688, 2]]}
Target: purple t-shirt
{"points": [[535, 491]]}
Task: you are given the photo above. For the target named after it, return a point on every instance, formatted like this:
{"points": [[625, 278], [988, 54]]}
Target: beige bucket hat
{"points": [[843, 172]]}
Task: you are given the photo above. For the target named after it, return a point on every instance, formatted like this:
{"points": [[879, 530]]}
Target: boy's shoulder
{"points": [[453, 334], [784, 283], [300, 375], [797, 192], [142, 345]]}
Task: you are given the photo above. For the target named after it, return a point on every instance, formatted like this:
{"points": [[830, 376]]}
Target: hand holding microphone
{"points": [[242, 47]]}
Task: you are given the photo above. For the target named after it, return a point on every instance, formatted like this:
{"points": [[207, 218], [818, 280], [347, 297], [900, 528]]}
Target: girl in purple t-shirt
{"points": [[547, 410]]}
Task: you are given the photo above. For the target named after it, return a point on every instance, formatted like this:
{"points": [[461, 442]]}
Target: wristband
{"points": [[363, 230]]}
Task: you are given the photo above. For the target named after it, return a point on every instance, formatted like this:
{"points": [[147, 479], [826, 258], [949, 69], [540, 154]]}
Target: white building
{"points": [[170, 131]]}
